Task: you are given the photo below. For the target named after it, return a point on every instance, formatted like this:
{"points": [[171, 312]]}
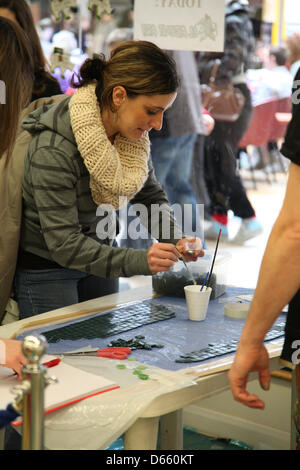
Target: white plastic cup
{"points": [[197, 301]]}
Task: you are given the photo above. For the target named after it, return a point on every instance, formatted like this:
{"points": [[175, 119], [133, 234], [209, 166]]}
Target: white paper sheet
{"points": [[72, 384]]}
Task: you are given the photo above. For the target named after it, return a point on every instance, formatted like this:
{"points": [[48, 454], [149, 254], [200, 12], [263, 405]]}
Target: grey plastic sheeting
{"points": [[179, 335]]}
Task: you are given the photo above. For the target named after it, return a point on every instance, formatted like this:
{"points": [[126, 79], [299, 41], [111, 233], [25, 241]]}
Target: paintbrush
{"points": [[187, 268], [212, 265]]}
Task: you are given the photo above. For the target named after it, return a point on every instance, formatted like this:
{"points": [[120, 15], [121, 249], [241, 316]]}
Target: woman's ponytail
{"points": [[91, 69]]}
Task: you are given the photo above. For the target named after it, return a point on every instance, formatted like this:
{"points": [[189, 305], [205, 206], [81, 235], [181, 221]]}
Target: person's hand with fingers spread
{"points": [[12, 356]]}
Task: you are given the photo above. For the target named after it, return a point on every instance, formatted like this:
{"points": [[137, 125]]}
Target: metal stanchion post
{"points": [[30, 394], [34, 348]]}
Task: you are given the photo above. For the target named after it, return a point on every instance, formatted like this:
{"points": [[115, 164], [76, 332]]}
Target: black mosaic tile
{"points": [[125, 318], [219, 349]]}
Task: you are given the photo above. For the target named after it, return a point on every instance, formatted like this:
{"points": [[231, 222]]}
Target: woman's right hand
{"points": [[161, 257]]}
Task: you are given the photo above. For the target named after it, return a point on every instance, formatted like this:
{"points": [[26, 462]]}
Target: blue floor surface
{"points": [[192, 440]]}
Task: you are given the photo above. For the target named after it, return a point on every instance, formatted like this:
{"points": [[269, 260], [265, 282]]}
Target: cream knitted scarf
{"points": [[117, 171]]}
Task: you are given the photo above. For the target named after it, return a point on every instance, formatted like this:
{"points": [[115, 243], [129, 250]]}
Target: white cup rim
{"points": [[197, 288]]}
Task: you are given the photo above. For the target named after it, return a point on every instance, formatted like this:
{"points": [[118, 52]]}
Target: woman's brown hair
{"points": [[141, 67], [16, 76], [23, 15]]}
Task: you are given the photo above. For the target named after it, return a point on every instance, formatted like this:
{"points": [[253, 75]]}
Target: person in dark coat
{"points": [[224, 184]]}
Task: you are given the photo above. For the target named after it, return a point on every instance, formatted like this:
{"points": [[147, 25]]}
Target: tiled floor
{"points": [[245, 259]]}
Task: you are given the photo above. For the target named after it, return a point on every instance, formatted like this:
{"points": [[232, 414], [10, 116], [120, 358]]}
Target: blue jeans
{"points": [[41, 290], [172, 161]]}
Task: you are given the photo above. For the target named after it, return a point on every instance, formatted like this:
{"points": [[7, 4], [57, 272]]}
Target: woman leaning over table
{"points": [[90, 150]]}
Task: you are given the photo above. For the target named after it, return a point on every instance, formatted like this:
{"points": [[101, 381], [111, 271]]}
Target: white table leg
{"points": [[171, 431], [142, 434]]}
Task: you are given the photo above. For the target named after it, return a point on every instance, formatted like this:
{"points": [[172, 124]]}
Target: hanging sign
{"points": [[194, 25]]}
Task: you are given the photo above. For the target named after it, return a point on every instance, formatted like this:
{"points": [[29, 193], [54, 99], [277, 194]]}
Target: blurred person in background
{"points": [[272, 81], [121, 17], [19, 12], [197, 176], [224, 184], [172, 147]]}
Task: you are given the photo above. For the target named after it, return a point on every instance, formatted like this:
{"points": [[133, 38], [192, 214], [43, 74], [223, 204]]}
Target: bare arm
{"points": [[279, 280]]}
